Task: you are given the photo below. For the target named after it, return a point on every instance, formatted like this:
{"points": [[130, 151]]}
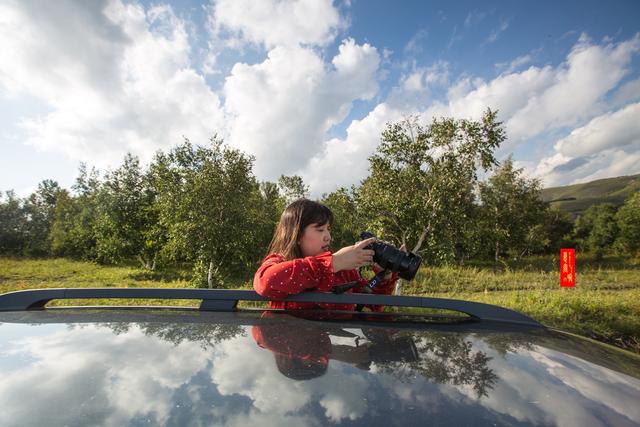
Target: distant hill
{"points": [[608, 190]]}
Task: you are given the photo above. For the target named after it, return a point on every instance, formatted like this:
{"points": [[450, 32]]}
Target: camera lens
{"points": [[391, 258]]}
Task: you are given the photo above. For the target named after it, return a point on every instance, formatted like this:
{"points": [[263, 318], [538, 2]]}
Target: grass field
{"points": [[605, 304]]}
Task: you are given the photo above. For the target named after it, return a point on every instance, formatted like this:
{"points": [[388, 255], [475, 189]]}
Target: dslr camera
{"points": [[391, 258]]}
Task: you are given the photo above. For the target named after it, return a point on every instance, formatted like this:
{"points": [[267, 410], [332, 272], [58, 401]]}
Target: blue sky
{"points": [[307, 86]]}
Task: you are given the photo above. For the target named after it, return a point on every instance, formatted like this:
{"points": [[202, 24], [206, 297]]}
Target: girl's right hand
{"points": [[355, 256]]}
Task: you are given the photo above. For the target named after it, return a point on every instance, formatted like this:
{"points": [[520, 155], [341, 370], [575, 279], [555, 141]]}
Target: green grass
{"points": [[20, 274], [604, 305]]}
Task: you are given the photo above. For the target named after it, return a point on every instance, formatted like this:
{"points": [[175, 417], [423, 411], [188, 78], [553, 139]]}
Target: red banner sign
{"points": [[567, 267]]}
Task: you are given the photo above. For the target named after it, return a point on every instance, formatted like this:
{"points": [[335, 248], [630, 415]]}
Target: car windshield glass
{"points": [[220, 368]]}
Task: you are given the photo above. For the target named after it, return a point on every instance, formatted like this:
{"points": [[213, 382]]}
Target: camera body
{"points": [[391, 258]]}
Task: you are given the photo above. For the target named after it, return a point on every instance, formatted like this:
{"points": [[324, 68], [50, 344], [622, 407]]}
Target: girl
{"points": [[299, 259]]}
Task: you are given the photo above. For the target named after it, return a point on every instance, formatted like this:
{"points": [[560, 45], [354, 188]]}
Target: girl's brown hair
{"points": [[292, 223]]}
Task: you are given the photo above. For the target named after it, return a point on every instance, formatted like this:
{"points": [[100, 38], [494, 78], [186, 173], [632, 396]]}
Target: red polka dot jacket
{"points": [[276, 279]]}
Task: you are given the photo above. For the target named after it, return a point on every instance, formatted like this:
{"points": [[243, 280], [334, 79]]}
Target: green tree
{"points": [[513, 211], [604, 231], [558, 226], [420, 190], [292, 188], [348, 220], [12, 220], [268, 210], [74, 219], [62, 236], [628, 222], [126, 225], [39, 210], [208, 200], [596, 230]]}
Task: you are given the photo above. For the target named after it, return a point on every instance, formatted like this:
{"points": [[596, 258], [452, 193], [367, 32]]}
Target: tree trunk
{"points": [[145, 264], [421, 239], [210, 275], [497, 252], [524, 251], [398, 289]]}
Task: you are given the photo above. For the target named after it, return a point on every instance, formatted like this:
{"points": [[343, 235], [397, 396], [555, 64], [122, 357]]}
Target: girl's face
{"points": [[315, 239]]}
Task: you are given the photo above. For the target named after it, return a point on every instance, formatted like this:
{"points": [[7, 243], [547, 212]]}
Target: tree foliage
{"points": [[292, 188], [513, 212], [12, 224], [206, 197], [349, 221], [73, 230], [420, 191], [596, 230], [628, 223], [203, 207]]}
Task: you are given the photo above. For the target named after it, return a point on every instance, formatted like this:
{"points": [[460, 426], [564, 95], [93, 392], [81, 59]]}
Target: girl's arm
{"points": [[276, 279]]}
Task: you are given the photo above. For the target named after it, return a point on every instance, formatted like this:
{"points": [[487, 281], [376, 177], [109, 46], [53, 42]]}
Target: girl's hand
{"points": [[352, 257]]}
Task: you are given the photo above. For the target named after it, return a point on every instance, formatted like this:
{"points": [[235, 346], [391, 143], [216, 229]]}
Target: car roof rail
{"points": [[227, 300]]}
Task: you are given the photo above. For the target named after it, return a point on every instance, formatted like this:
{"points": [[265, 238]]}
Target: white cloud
{"points": [[276, 23], [510, 67], [580, 84], [247, 376], [116, 77], [455, 37], [509, 93], [537, 100], [531, 102], [345, 162], [545, 386], [609, 145], [495, 33], [422, 77], [630, 91], [102, 372], [281, 108], [127, 83], [116, 377], [415, 43], [611, 130], [474, 18]]}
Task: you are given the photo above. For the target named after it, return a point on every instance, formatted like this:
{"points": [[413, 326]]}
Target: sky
{"points": [[307, 86]]}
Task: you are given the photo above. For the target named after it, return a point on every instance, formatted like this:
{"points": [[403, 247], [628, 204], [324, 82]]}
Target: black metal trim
{"points": [[226, 300]]}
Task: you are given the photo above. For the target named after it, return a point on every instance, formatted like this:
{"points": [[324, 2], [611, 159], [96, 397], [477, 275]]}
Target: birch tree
{"points": [[421, 188]]}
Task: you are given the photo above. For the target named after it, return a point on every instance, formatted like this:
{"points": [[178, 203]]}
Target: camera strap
{"points": [[340, 289]]}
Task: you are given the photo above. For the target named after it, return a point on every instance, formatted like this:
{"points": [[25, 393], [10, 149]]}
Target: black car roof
{"points": [[208, 366], [118, 366]]}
